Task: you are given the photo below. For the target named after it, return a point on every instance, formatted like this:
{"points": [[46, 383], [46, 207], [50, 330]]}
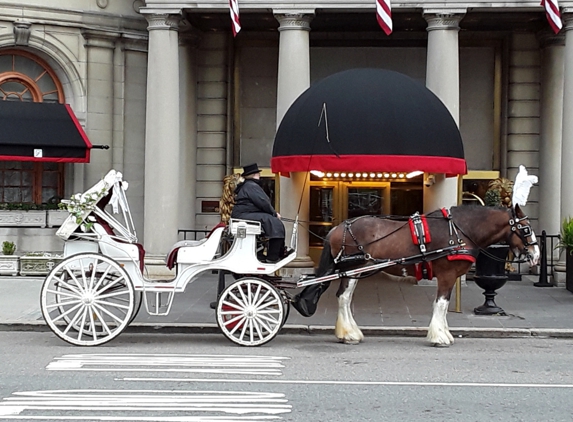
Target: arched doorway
{"points": [[27, 78]]}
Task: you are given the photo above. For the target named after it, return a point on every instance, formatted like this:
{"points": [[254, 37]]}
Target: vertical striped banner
{"points": [[384, 15], [553, 16], [234, 9]]}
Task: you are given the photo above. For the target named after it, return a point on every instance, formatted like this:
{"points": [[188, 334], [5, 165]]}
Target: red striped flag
{"points": [[234, 9], [384, 15], [553, 15]]}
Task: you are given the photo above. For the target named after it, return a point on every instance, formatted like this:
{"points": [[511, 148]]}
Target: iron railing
{"points": [[189, 234]]}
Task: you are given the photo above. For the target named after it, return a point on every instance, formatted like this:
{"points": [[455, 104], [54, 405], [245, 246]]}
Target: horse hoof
{"points": [[440, 345], [350, 342]]}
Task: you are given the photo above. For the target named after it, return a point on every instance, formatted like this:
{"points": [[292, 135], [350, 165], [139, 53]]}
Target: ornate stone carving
{"points": [[548, 38], [443, 21], [137, 4], [294, 21], [99, 38], [22, 32], [567, 19], [163, 21], [102, 4]]}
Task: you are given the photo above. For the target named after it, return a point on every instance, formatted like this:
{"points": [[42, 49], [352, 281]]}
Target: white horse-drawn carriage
{"points": [[97, 290]]}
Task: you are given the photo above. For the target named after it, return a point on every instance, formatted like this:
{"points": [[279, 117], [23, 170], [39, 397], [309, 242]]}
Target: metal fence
{"points": [[188, 234]]}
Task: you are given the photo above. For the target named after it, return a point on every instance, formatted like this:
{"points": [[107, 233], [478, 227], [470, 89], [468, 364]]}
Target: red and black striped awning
{"points": [[41, 132], [368, 120]]}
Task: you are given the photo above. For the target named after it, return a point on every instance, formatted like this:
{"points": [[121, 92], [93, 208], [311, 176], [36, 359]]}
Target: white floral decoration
{"points": [[80, 206]]}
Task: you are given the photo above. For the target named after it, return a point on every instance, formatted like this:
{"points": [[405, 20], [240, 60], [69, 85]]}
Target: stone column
{"points": [[162, 146], [442, 78], [567, 135], [293, 80], [551, 116], [100, 48], [189, 143]]}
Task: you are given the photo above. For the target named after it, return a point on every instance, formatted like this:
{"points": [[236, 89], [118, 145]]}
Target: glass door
{"points": [[365, 199], [324, 214]]}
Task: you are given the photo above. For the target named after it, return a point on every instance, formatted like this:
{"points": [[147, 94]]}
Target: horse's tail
{"points": [[326, 262], [306, 301]]}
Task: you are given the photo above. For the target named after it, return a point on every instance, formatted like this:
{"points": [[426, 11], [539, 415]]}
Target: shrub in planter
{"points": [[8, 248], [566, 244]]}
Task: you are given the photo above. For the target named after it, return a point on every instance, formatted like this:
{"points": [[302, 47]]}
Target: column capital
{"points": [[163, 21], [567, 19], [100, 39], [290, 21], [22, 32], [548, 38], [442, 20]]}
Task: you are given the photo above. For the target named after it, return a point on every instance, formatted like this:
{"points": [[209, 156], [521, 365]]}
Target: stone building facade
{"points": [[181, 102]]}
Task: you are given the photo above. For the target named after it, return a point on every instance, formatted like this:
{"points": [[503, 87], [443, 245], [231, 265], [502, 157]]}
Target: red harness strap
{"points": [[420, 236]]}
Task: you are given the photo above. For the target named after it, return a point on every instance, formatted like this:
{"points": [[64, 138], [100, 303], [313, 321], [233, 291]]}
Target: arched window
{"points": [[26, 77]]}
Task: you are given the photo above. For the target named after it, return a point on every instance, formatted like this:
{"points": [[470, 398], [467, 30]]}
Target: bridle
{"points": [[522, 228]]}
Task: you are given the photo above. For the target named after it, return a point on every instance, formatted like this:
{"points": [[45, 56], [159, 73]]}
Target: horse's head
{"points": [[522, 239]]}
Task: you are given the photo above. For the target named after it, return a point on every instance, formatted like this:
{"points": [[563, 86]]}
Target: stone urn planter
{"points": [[491, 276], [38, 264], [9, 264], [22, 218], [56, 217]]}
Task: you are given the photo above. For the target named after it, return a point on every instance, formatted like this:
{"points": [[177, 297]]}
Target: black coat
{"points": [[252, 203]]}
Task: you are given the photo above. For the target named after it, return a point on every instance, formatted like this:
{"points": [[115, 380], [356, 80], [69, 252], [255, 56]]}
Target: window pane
{"points": [[12, 178], [48, 193], [46, 83], [26, 195], [12, 86], [6, 63], [364, 201], [27, 178], [12, 195], [321, 204], [49, 179], [28, 67]]}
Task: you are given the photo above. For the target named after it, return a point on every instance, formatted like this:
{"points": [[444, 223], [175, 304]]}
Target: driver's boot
{"points": [[274, 250], [306, 301]]}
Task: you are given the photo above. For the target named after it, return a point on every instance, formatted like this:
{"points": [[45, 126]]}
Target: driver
{"points": [[252, 203]]}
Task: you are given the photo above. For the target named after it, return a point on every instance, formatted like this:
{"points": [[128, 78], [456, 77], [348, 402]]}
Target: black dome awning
{"points": [[368, 120], [41, 132]]}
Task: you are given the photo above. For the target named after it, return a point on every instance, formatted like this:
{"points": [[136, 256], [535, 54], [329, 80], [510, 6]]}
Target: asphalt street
{"points": [[299, 378]]}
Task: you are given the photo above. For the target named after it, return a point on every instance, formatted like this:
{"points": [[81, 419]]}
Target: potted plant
{"points": [[566, 244], [8, 261]]}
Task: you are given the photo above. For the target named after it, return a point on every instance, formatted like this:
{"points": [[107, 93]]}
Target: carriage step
{"points": [[158, 303]]}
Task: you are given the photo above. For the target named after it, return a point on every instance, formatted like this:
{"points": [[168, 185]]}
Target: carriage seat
{"points": [[120, 250], [196, 250]]}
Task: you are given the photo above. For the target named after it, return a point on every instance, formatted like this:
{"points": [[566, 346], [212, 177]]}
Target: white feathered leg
{"points": [[438, 331], [346, 329]]}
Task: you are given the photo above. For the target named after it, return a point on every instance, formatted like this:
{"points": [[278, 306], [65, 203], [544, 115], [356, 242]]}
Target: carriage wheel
{"points": [[250, 312], [88, 299]]}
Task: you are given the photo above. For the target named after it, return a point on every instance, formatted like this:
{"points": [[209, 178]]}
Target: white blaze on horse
{"points": [[442, 244]]}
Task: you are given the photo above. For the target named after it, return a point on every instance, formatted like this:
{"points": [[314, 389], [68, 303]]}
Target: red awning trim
{"points": [[86, 159], [395, 163], [82, 134]]}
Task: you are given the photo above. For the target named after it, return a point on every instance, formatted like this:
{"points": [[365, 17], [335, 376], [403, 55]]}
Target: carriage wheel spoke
{"points": [[102, 322], [245, 299], [113, 305], [61, 293], [265, 326], [82, 324], [68, 286], [101, 308], [243, 330], [240, 303], [241, 323], [66, 303], [92, 324], [102, 278], [108, 295], [271, 302], [251, 334], [262, 299], [236, 306], [64, 314], [73, 321], [257, 328], [108, 286], [269, 319]]}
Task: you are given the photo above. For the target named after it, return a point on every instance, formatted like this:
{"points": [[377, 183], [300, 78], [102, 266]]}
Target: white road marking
{"points": [[326, 382], [230, 402], [214, 364]]}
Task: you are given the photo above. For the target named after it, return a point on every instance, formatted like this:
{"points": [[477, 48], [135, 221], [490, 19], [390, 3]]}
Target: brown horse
{"points": [[452, 241]]}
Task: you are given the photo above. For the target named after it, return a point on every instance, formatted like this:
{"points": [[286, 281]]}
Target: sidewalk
{"points": [[381, 307]]}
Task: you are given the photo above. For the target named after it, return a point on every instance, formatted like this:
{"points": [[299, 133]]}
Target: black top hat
{"points": [[250, 169]]}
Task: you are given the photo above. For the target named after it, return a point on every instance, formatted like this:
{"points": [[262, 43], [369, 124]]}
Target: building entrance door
{"points": [[333, 202]]}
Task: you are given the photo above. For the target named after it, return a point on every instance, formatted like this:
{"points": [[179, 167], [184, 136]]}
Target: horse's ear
{"points": [[518, 211]]}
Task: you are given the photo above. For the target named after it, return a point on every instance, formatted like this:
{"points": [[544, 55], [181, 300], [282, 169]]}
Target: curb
{"points": [[211, 328]]}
